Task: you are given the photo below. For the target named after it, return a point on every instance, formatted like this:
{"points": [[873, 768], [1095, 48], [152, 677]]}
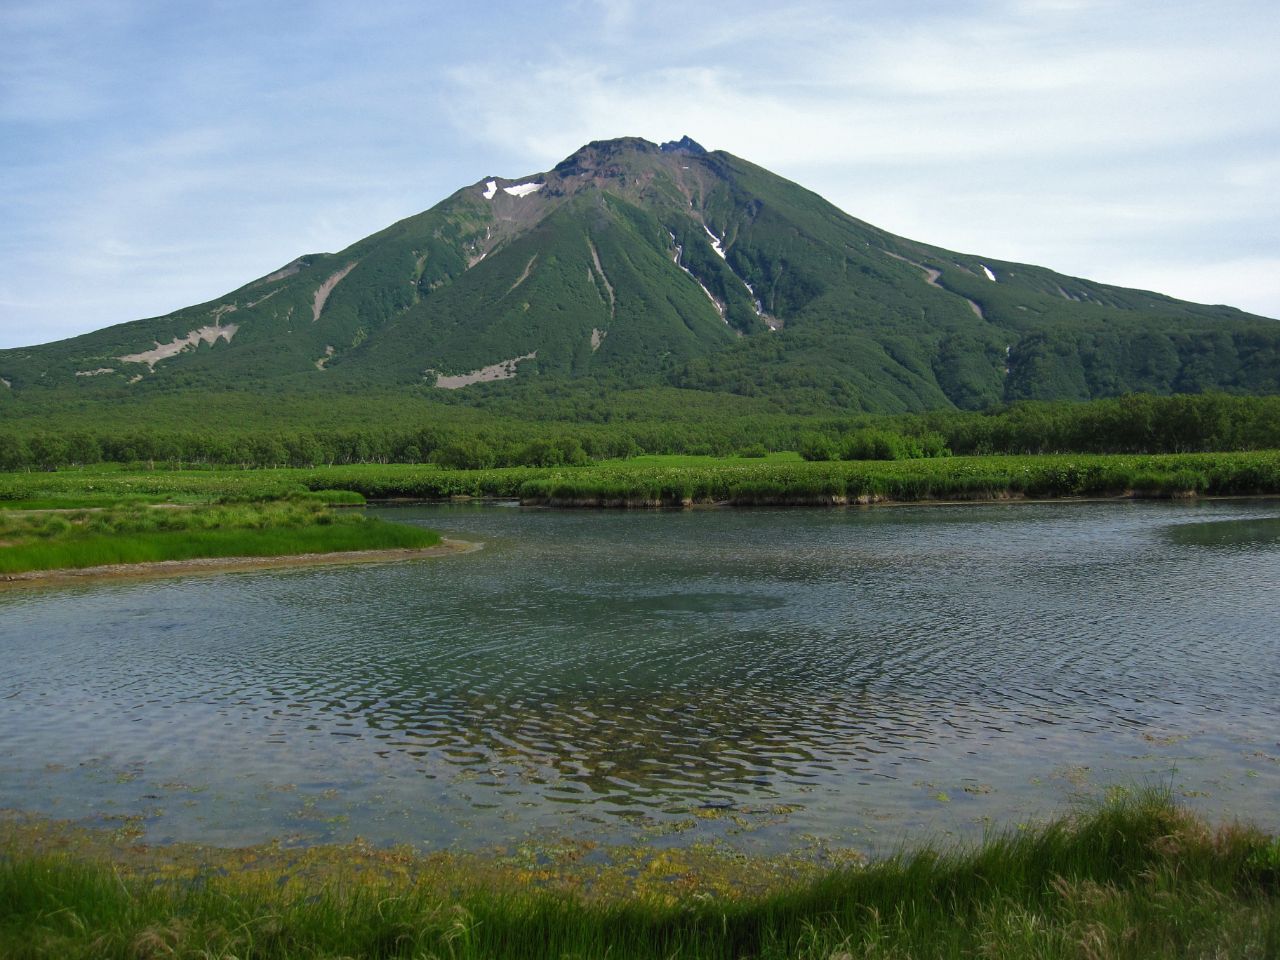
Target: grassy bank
{"points": [[957, 478], [670, 481], [652, 481], [143, 534], [1138, 878]]}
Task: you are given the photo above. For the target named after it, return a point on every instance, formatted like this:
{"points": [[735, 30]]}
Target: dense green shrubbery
{"points": [[815, 446], [887, 445], [465, 454], [578, 430], [1138, 423], [558, 452]]}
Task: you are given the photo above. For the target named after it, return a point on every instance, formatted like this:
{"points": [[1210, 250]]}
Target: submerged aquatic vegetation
{"points": [[1138, 878]]}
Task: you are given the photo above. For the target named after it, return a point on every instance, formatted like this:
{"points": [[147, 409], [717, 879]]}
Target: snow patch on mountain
{"points": [[931, 276], [715, 241], [771, 322], [987, 270], [523, 189], [712, 297], [757, 303], [720, 308], [490, 190]]}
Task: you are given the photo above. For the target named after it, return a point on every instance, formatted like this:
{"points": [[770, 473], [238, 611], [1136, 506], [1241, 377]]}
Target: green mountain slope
{"points": [[630, 263]]}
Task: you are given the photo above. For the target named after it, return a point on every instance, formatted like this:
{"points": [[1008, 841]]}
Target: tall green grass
{"points": [[141, 534], [738, 481], [675, 480], [1137, 879]]}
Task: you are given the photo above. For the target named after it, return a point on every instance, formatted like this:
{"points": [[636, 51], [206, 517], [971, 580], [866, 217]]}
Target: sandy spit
{"points": [[174, 568]]}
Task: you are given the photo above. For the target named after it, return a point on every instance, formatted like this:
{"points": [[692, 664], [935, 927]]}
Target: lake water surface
{"points": [[773, 679]]}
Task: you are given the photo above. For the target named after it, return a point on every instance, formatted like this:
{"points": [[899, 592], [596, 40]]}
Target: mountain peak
{"points": [[663, 264], [601, 151], [685, 144]]}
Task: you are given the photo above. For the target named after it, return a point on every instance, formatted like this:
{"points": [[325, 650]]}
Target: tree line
{"points": [[1138, 423]]}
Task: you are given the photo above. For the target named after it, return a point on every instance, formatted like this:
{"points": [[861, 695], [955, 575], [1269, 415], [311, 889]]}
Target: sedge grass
{"points": [[671, 481], [142, 534], [745, 481], [1139, 878]]}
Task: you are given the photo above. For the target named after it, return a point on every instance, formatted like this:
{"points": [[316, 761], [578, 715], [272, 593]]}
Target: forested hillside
{"points": [[630, 270]]}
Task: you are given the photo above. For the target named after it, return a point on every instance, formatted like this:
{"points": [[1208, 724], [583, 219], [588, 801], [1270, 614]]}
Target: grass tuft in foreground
{"points": [[143, 534], [1138, 878]]}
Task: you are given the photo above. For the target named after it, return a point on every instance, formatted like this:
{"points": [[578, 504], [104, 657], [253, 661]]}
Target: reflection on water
{"points": [[770, 677]]}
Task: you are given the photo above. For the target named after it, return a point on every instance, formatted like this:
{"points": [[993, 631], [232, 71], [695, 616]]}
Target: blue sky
{"points": [[155, 155]]}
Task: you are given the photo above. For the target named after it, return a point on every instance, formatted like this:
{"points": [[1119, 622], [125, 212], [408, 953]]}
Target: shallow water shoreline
{"points": [[1010, 497], [172, 568], [1139, 871], [751, 675]]}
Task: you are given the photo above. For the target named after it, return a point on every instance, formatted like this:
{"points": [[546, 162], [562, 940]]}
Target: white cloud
{"points": [[148, 161], [1250, 283], [1035, 131]]}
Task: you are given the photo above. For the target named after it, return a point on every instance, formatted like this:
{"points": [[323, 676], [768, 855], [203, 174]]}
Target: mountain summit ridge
{"points": [[686, 144], [637, 262]]}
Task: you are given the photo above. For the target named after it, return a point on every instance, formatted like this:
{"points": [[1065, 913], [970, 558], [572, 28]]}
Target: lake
{"points": [[768, 679]]}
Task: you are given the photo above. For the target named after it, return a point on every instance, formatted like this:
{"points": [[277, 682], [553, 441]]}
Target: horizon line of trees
{"points": [[1136, 423]]}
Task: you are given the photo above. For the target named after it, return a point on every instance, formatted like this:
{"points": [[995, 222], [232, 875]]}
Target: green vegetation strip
{"points": [[543, 423], [655, 481], [1138, 878], [671, 481], [143, 534]]}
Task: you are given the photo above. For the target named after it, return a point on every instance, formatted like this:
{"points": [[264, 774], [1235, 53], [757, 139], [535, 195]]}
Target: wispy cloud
{"points": [[1079, 134], [153, 156]]}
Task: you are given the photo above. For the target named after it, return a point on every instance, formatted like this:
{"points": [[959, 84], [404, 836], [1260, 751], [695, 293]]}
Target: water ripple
{"points": [[617, 662]]}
